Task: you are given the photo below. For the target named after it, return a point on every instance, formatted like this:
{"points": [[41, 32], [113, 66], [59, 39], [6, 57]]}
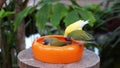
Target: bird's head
{"points": [[46, 41]]}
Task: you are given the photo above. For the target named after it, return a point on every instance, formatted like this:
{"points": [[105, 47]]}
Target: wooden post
{"points": [[89, 60]]}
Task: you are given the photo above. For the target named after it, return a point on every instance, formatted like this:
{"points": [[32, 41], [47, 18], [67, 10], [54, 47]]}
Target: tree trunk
{"points": [[1, 3], [20, 37], [5, 50], [20, 33]]}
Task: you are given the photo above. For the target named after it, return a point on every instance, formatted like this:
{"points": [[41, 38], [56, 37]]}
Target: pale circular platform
{"points": [[89, 60]]}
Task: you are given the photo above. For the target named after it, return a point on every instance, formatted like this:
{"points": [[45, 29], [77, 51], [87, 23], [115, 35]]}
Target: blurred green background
{"points": [[19, 20]]}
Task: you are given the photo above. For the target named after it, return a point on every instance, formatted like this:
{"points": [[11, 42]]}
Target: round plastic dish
{"points": [[56, 54]]}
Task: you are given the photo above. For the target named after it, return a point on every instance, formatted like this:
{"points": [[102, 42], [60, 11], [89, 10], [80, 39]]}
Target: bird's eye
{"points": [[44, 43]]}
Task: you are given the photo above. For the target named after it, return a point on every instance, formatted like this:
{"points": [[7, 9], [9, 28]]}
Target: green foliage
{"points": [[109, 44], [75, 3], [59, 11], [49, 1], [55, 14], [4, 13], [71, 17], [42, 16], [7, 35], [87, 15], [110, 51], [21, 16]]}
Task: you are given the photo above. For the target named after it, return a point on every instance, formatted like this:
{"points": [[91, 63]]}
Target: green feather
{"points": [[54, 42], [79, 35]]}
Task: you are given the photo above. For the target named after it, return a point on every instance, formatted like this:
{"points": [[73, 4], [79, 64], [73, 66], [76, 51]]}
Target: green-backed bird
{"points": [[75, 32], [80, 36], [54, 42], [78, 25]]}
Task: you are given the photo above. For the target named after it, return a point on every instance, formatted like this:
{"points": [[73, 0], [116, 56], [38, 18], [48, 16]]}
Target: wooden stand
{"points": [[89, 60]]}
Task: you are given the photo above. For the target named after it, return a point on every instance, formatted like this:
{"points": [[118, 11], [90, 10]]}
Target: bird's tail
{"points": [[88, 42]]}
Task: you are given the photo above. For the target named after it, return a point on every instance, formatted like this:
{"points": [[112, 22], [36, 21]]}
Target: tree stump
{"points": [[89, 60]]}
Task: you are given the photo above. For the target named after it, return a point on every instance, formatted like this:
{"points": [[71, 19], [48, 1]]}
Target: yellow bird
{"points": [[78, 25], [74, 32]]}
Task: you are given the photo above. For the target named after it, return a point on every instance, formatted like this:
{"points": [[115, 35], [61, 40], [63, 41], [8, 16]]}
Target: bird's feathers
{"points": [[78, 25], [79, 35], [54, 42]]}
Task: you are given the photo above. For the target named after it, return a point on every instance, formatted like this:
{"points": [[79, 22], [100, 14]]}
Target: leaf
{"points": [[87, 15], [71, 17], [42, 16], [95, 7], [74, 2], [4, 13], [21, 15], [50, 1], [8, 13], [116, 42], [59, 11]]}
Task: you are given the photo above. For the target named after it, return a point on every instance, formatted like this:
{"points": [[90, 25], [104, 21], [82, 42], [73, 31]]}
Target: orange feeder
{"points": [[57, 54]]}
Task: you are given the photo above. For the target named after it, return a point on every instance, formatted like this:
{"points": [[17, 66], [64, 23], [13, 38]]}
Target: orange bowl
{"points": [[56, 54]]}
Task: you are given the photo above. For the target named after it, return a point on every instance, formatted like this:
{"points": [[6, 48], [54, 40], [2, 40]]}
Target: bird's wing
{"points": [[79, 35]]}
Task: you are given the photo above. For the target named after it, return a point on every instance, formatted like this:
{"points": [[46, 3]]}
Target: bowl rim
{"points": [[53, 36]]}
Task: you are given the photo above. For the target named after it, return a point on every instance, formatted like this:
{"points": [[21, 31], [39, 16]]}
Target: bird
{"points": [[81, 37], [54, 42], [74, 32], [78, 25]]}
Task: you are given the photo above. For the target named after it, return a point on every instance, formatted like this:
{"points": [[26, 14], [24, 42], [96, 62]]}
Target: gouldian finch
{"points": [[54, 42], [74, 32]]}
